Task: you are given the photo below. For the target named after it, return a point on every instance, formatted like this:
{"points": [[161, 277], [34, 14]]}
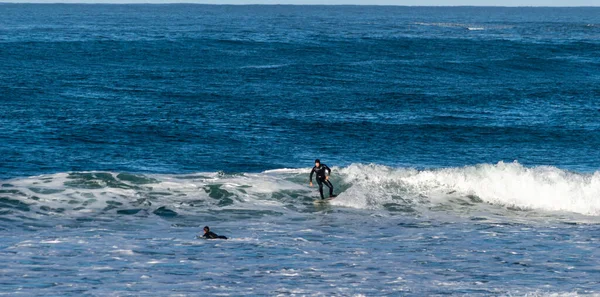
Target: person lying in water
{"points": [[211, 235]]}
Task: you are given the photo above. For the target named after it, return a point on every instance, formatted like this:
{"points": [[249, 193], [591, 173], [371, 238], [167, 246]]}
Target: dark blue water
{"points": [[186, 88], [463, 141]]}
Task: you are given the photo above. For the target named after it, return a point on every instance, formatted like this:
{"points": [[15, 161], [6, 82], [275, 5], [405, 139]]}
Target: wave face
{"points": [[370, 187], [506, 184]]}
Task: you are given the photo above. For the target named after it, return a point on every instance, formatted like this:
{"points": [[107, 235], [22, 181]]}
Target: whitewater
{"points": [[509, 186], [391, 231]]}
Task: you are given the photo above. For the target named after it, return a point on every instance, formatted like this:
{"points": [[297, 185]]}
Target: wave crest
{"points": [[274, 192], [507, 184]]}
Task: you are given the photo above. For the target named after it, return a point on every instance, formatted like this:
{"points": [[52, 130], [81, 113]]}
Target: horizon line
{"points": [[289, 4]]}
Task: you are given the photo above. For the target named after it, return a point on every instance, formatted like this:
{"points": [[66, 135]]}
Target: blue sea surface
{"points": [[463, 142]]}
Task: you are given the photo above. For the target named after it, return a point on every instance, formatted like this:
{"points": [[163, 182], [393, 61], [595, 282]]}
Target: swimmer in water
{"points": [[211, 235]]}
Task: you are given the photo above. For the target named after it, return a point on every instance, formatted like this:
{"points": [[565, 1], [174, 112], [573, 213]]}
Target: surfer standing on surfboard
{"points": [[322, 178]]}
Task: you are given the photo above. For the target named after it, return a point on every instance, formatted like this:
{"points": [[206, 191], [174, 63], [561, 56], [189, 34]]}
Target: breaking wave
{"points": [[275, 192], [506, 184]]}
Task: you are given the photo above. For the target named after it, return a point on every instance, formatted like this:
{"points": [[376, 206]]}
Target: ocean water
{"points": [[463, 142]]}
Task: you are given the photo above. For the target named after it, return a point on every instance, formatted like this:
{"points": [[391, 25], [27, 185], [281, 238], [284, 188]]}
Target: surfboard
{"points": [[326, 200], [204, 238]]}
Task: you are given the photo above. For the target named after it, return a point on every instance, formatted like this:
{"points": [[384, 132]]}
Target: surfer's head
{"points": [[317, 162], [206, 229]]}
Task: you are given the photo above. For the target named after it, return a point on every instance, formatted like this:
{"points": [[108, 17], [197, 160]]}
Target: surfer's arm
{"points": [[311, 174], [328, 169]]}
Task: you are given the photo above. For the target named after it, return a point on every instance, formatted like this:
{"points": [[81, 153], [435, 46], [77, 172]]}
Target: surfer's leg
{"points": [[330, 186], [320, 182]]}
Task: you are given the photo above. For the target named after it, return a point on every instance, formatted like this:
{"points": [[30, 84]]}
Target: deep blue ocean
{"points": [[464, 144]]}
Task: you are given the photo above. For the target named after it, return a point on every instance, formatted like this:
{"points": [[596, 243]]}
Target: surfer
{"points": [[322, 178], [211, 235]]}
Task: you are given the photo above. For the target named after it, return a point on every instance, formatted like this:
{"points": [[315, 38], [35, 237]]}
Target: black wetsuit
{"points": [[320, 172], [212, 235]]}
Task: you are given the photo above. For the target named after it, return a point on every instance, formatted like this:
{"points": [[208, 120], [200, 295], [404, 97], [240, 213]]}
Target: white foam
{"points": [[288, 170], [507, 184], [551, 294], [267, 66], [51, 241], [176, 192], [102, 268], [365, 187], [123, 252]]}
